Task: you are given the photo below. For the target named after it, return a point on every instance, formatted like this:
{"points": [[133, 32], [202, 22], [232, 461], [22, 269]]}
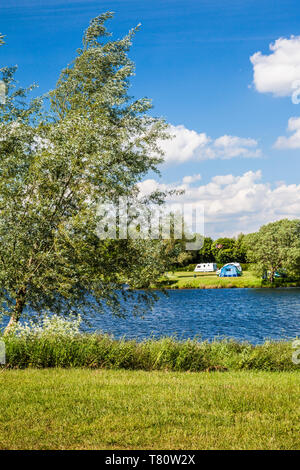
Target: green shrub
{"points": [[188, 268], [57, 342], [103, 351]]}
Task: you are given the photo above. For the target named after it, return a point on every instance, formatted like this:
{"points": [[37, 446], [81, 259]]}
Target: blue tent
{"points": [[230, 270]]}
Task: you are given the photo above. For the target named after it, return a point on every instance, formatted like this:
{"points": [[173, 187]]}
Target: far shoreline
{"points": [[188, 280], [222, 288]]}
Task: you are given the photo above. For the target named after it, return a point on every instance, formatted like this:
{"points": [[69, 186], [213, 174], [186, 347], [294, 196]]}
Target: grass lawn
{"points": [[102, 409], [186, 280]]}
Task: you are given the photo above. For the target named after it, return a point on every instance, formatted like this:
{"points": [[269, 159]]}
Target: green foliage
{"points": [[223, 250], [205, 254], [58, 343], [240, 250], [103, 351], [188, 268], [275, 246], [225, 255], [94, 146]]}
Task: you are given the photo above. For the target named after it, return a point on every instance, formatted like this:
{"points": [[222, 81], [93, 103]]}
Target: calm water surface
{"points": [[245, 314]]}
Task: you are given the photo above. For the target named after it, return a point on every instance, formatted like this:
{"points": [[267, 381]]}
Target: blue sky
{"points": [[193, 59]]}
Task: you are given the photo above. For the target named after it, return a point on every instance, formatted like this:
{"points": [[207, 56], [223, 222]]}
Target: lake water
{"points": [[252, 315], [245, 314]]}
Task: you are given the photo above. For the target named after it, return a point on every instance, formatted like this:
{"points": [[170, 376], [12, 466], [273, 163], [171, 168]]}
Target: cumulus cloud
{"points": [[185, 145], [234, 204], [190, 145], [278, 72], [191, 179], [229, 146], [292, 142]]}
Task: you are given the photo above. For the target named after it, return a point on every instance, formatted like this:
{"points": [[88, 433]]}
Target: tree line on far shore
{"points": [[276, 246]]}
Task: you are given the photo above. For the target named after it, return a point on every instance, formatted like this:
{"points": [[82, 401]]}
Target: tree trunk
{"points": [[16, 315], [272, 275]]}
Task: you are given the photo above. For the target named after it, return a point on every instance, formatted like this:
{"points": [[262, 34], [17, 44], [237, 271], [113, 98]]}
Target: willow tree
{"points": [[95, 144]]}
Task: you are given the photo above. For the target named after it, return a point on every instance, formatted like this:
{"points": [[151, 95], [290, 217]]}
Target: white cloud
{"points": [[148, 186], [222, 180], [230, 147], [292, 142], [278, 72], [191, 179], [189, 145], [185, 145], [234, 204]]}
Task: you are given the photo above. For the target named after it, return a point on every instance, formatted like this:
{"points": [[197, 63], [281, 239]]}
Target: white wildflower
{"points": [[49, 326]]}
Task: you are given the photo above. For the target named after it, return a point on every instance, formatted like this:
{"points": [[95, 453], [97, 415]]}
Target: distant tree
{"points": [[223, 250], [225, 256], [95, 145], [240, 250], [178, 246], [274, 246], [205, 255]]}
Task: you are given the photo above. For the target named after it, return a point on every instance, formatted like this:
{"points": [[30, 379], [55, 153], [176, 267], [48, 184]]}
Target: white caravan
{"points": [[206, 268]]}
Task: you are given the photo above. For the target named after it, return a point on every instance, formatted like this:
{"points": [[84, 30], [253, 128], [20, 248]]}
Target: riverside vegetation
{"points": [[57, 342]]}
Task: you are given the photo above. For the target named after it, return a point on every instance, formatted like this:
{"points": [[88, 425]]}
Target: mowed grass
{"points": [[191, 280], [185, 279], [118, 409]]}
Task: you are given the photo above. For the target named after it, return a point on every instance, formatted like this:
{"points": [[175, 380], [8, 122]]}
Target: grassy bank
{"points": [[86, 409], [190, 280], [103, 351]]}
